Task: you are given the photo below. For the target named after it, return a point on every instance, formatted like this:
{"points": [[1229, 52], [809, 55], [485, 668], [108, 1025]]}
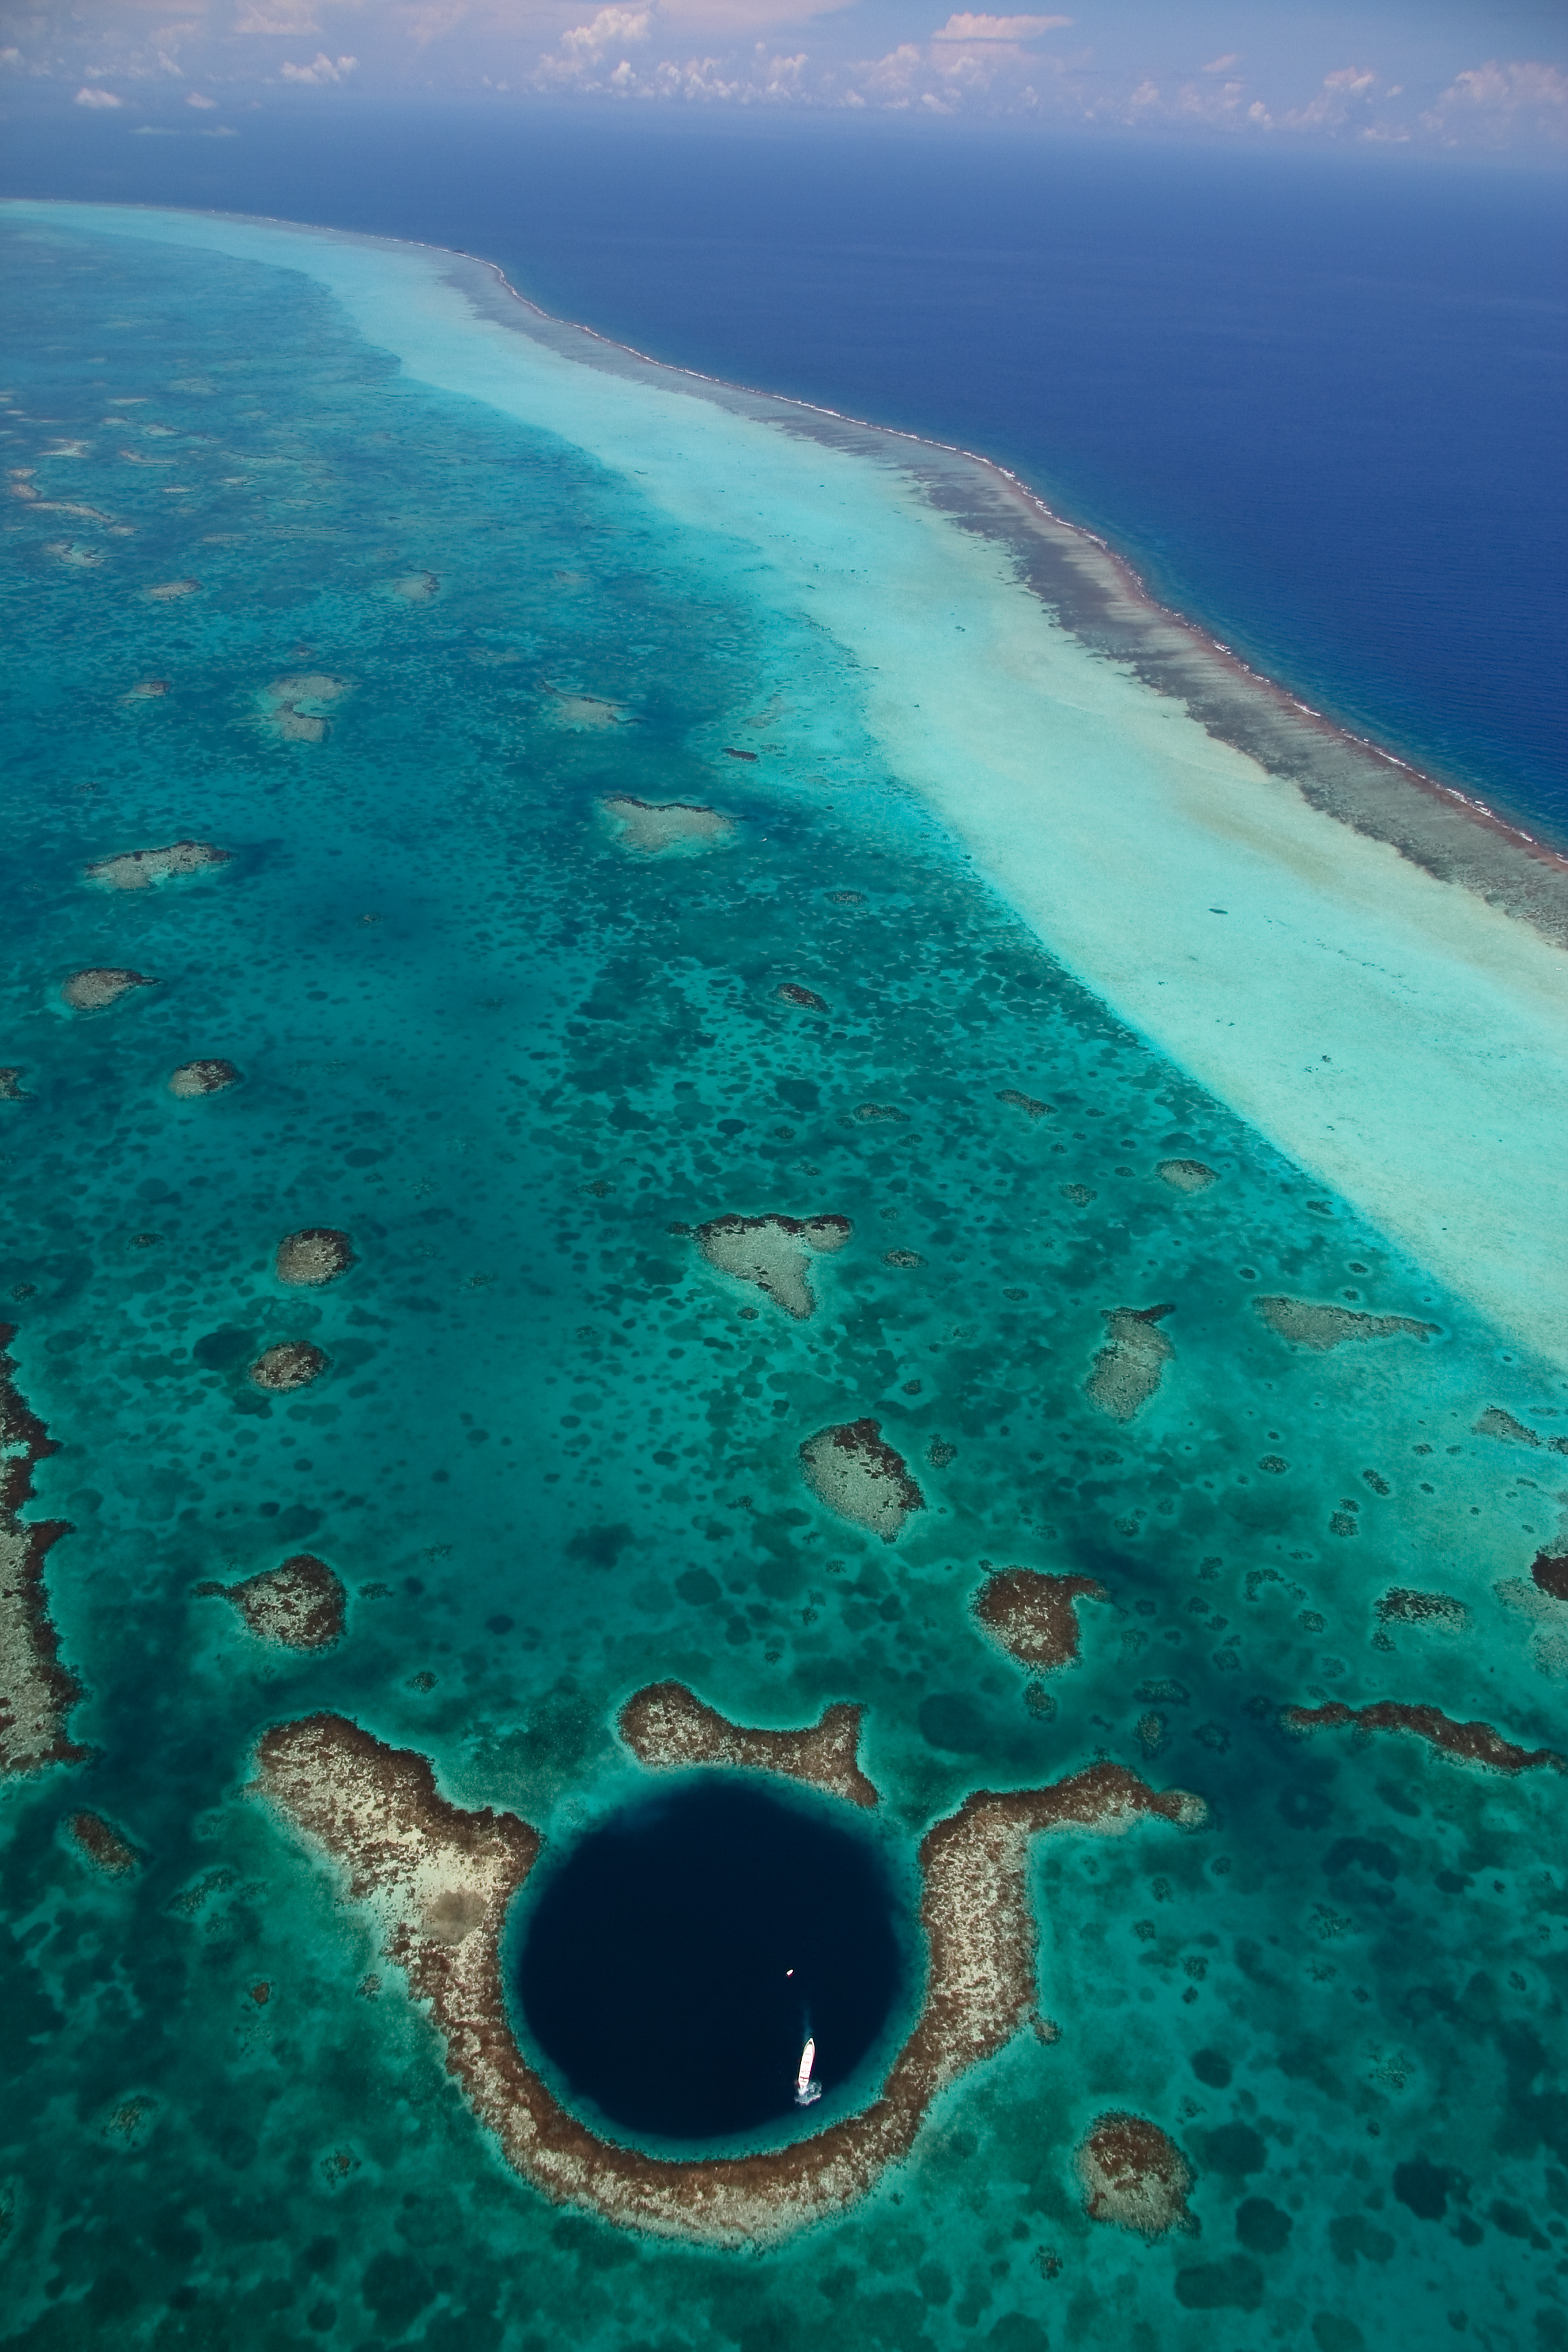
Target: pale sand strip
{"points": [[1401, 1039]]}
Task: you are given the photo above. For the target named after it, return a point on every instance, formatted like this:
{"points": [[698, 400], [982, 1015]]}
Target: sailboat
{"points": [[806, 2090]]}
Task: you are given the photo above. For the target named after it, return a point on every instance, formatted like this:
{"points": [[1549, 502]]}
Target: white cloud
{"points": [[998, 28], [1222, 64], [610, 28], [97, 98], [321, 71], [1494, 102], [195, 99], [1342, 99], [278, 19], [423, 26]]}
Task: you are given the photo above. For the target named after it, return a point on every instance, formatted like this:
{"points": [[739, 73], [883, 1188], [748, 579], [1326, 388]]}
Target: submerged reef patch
{"points": [[650, 827], [35, 1691], [442, 1880], [169, 592], [1469, 1743], [1439, 1611], [140, 869], [1027, 1104], [1133, 2176], [103, 1845], [1130, 1366], [792, 992], [299, 1606], [771, 1250], [591, 713], [195, 1078], [1032, 1615], [1186, 1175], [101, 985], [314, 1255], [852, 1469], [668, 1728], [286, 711], [11, 1089], [1495, 1422], [290, 1364], [1307, 1324]]}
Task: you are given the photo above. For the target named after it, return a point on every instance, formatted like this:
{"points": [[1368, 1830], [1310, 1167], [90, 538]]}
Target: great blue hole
{"points": [[678, 1957]]}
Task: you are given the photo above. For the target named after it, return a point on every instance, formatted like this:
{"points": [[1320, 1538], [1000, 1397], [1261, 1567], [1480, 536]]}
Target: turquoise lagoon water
{"points": [[555, 1455]]}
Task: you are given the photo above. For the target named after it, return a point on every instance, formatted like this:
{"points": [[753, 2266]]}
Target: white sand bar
{"points": [[1402, 1039]]}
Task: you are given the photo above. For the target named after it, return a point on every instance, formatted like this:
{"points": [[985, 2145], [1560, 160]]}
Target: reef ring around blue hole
{"points": [[679, 1955]]}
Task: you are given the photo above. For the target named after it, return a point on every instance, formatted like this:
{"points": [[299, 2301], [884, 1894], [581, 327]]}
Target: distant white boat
{"points": [[806, 2090]]}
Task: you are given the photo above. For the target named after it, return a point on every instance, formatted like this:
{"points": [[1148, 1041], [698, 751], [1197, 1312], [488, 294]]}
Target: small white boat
{"points": [[806, 2090]]}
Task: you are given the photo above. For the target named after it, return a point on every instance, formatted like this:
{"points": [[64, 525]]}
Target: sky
{"points": [[1444, 76]]}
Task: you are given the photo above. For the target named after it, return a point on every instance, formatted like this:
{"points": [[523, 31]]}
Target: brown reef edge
{"points": [[442, 1880]]}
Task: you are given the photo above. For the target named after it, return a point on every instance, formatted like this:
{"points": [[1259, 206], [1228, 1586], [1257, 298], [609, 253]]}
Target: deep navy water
{"points": [[682, 1951], [1316, 400]]}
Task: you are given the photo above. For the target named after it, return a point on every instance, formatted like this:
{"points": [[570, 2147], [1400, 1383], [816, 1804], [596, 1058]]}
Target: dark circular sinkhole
{"points": [[655, 1967]]}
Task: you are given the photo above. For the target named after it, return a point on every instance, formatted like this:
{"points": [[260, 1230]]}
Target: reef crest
{"points": [[441, 1881], [652, 827], [772, 1252], [35, 1691], [1471, 1743], [1307, 1324], [139, 870], [1130, 1366], [299, 1606], [314, 1255], [667, 1727], [192, 1080], [1032, 1615], [291, 1364], [851, 1469], [101, 985]]}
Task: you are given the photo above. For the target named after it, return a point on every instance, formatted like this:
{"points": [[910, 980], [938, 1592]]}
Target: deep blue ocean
{"points": [[419, 667], [1317, 401]]}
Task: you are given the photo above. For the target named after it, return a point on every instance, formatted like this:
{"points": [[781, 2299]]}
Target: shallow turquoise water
{"points": [[555, 1459]]}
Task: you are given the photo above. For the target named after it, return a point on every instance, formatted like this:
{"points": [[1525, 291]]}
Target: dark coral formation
{"points": [[103, 1845], [1470, 1743], [1307, 1324], [855, 1473], [667, 1727], [1130, 1366], [291, 1364], [771, 1250], [299, 1606], [314, 1255], [807, 998], [1438, 1609], [101, 985], [1551, 1573], [10, 1084], [1134, 2175], [35, 1691], [1026, 1103], [1032, 1615], [443, 1881]]}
